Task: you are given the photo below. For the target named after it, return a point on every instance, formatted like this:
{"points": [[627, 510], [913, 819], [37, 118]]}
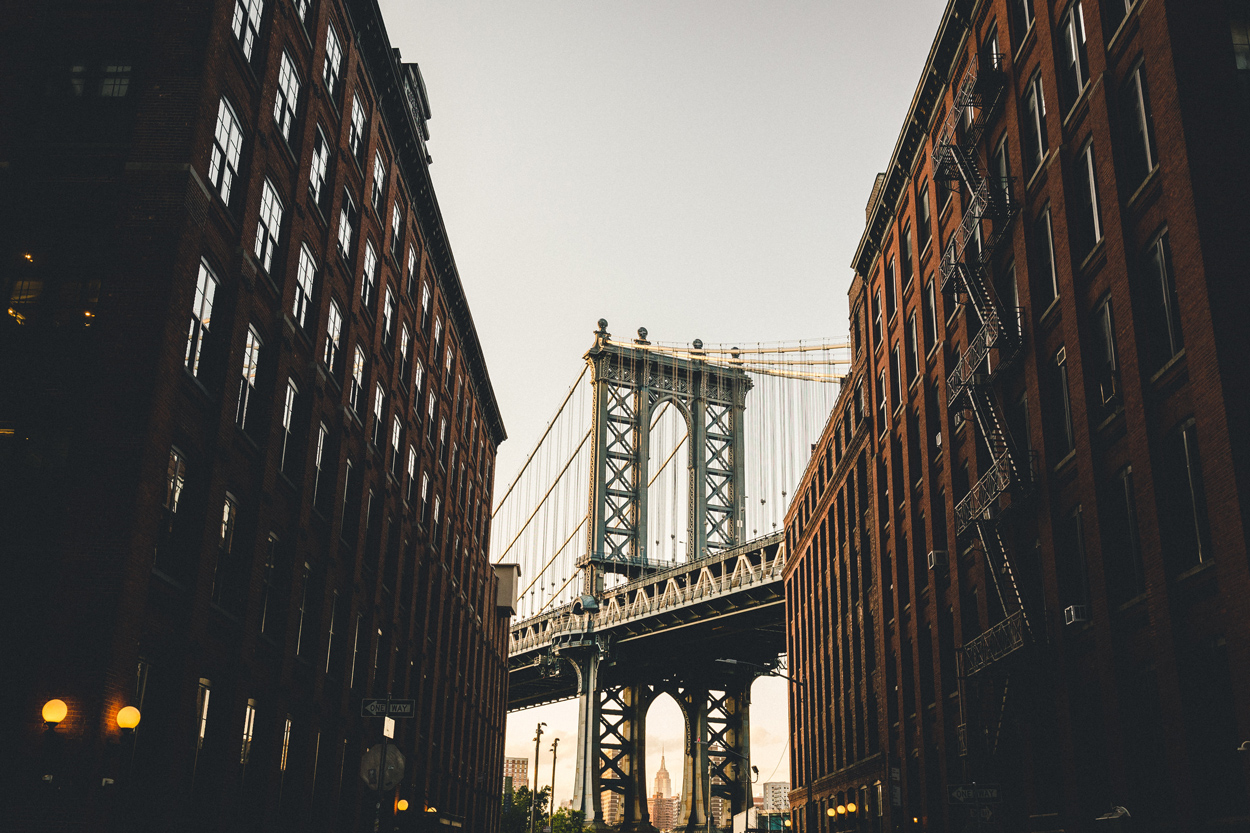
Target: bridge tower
{"points": [[631, 381]]}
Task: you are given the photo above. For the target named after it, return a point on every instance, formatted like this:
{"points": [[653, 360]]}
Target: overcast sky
{"points": [[697, 168]]}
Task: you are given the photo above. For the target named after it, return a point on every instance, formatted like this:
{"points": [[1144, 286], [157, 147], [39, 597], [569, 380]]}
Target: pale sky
{"points": [[699, 168]]}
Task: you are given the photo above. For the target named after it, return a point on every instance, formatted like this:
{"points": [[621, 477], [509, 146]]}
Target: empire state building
{"points": [[663, 804]]}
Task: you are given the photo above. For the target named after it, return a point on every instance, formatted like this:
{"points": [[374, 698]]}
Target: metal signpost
{"points": [[977, 798], [382, 767]]}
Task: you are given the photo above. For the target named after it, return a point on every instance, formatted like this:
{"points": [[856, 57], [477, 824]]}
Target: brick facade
{"points": [[1118, 534], [177, 537]]}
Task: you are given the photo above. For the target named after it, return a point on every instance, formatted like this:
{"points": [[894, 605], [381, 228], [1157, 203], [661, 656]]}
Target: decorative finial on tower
{"points": [[603, 327], [698, 344], [642, 335]]}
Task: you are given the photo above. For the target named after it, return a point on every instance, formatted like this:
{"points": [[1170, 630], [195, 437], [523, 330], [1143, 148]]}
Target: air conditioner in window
{"points": [[1109, 388], [937, 559], [1075, 614]]}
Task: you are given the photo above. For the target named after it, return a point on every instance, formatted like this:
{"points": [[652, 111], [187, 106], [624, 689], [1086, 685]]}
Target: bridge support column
{"points": [[737, 741], [637, 816], [695, 792], [586, 658]]}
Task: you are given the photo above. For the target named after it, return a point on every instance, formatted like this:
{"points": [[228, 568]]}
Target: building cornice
{"points": [[407, 136], [956, 22]]}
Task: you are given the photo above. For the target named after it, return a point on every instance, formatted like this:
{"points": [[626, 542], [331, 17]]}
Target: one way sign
{"points": [[382, 707]]}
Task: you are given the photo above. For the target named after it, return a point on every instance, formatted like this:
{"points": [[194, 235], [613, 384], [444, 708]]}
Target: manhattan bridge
{"points": [[647, 527]]}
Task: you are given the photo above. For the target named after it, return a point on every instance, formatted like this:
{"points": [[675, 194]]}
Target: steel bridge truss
{"points": [[630, 385]]}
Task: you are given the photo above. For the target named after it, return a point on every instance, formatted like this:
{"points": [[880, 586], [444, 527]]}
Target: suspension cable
{"points": [[545, 495]]}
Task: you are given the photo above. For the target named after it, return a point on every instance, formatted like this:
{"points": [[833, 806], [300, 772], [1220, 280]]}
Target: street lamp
{"points": [[538, 736], [128, 718], [765, 671], [54, 712]]}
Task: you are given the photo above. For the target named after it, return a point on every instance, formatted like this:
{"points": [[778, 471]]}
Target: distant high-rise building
{"points": [[776, 797], [518, 770], [662, 804]]}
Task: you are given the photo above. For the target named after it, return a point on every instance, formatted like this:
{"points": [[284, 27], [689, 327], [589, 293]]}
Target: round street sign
{"points": [[370, 762]]}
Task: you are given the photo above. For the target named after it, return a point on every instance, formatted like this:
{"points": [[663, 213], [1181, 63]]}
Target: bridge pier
{"points": [[585, 656]]}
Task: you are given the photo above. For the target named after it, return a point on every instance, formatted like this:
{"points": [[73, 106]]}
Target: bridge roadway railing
{"points": [[676, 587]]}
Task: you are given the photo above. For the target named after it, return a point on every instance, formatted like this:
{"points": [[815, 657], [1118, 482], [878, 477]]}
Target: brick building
{"points": [[1023, 532], [247, 433], [518, 769]]}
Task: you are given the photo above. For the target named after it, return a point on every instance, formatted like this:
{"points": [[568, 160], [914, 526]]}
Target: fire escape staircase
{"points": [[963, 272]]}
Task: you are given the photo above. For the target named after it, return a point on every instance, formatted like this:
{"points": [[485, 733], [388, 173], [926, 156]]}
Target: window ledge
{"points": [[1127, 25], [1079, 107], [1025, 42], [1199, 568], [1038, 174], [1050, 315], [1171, 363], [1095, 259], [1139, 195], [1067, 462]]}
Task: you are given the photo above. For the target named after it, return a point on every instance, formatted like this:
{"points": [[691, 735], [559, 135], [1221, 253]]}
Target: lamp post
{"points": [[551, 808], [764, 671], [538, 736]]}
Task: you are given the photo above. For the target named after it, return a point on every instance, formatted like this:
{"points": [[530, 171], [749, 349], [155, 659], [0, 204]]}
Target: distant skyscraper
{"points": [[663, 805]]}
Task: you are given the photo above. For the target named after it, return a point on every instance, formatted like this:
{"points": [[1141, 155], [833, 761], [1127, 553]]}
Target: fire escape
{"points": [[991, 207]]}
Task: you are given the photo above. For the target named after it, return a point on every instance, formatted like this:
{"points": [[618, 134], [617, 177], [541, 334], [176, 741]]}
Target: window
{"points": [[388, 318], [1126, 577], [1044, 252], [175, 482], [1114, 11], [303, 610], [369, 275], [1140, 157], [442, 441], [418, 376], [913, 348], [429, 422], [1105, 367], [1061, 407], [334, 60], [924, 217], [270, 617], [223, 579], [347, 226], [412, 475], [334, 331], [288, 424], [930, 314], [876, 319], [405, 353], [425, 496], [247, 382], [881, 402], [201, 314], [249, 724], [305, 280], [396, 432], [115, 80], [379, 414], [891, 300], [1163, 324], [1073, 574], [286, 98], [223, 163], [286, 743], [1088, 231], [1183, 498], [448, 359], [358, 381], [908, 255], [425, 304], [1073, 68], [396, 236], [246, 23], [319, 461], [1021, 18], [268, 226], [379, 182], [201, 719], [438, 337], [1240, 24], [1033, 132], [317, 170], [412, 272], [896, 374], [1000, 172], [356, 135], [438, 505], [301, 9]]}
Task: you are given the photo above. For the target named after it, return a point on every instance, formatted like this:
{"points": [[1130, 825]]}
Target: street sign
{"points": [[382, 707], [968, 794], [370, 763]]}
